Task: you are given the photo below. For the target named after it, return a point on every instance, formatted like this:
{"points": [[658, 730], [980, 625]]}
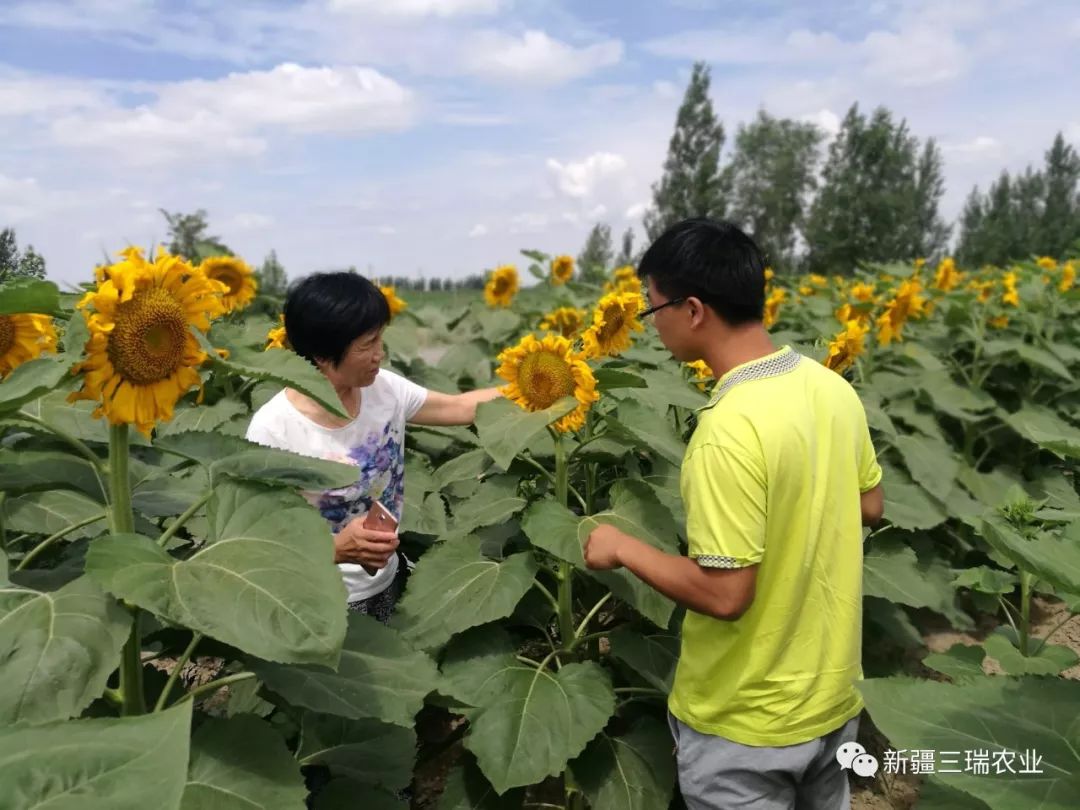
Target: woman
{"points": [[336, 321]]}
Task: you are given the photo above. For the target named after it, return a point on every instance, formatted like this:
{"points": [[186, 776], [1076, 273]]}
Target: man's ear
{"points": [[697, 311]]}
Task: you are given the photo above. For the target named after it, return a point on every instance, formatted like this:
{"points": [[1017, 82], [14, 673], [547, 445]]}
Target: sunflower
{"points": [[1046, 263], [501, 286], [566, 321], [276, 338], [541, 372], [999, 322], [702, 373], [24, 337], [846, 346], [396, 304], [947, 275], [862, 292], [772, 306], [625, 280], [1010, 296], [614, 318], [1068, 277], [141, 355], [236, 275], [562, 269]]}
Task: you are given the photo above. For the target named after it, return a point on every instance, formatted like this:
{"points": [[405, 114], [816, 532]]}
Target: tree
{"points": [[595, 258], [188, 238], [878, 199], [1059, 227], [692, 184], [626, 250], [13, 264], [271, 276], [772, 174]]}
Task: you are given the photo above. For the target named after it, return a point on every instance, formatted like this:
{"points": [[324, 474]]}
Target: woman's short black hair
{"points": [[712, 260], [325, 312]]}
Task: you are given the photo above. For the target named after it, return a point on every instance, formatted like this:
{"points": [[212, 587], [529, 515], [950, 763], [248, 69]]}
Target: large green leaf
{"points": [[29, 295], [464, 467], [930, 463], [367, 751], [648, 430], [493, 502], [467, 789], [908, 506], [265, 582], [958, 401], [653, 657], [345, 794], [29, 381], [1050, 659], [1046, 429], [506, 429], [635, 771], [528, 723], [455, 587], [73, 418], [240, 764], [278, 365], [1032, 355], [558, 531], [279, 466], [102, 764], [51, 511], [893, 571], [992, 715], [379, 676], [960, 662], [59, 649], [1054, 559], [201, 417]]}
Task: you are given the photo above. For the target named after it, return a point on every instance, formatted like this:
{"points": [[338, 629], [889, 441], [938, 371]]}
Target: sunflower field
{"points": [[171, 620]]}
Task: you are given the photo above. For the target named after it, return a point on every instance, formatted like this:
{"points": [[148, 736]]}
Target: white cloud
{"points": [[979, 149], [534, 57], [28, 95], [230, 116], [478, 230], [386, 230], [636, 211], [915, 57], [582, 178], [246, 221], [416, 8], [529, 222], [826, 120]]}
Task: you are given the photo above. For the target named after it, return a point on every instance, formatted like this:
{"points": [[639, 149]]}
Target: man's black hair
{"points": [[325, 312], [712, 260]]}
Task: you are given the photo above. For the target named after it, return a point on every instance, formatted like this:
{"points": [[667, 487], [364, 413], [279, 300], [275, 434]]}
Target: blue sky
{"points": [[442, 136]]}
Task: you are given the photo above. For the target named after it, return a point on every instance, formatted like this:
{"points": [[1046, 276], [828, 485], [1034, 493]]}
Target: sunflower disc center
{"points": [[147, 343], [7, 334], [544, 378], [613, 322]]}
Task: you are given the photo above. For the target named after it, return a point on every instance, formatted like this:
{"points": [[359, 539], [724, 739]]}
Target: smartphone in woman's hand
{"points": [[380, 519]]}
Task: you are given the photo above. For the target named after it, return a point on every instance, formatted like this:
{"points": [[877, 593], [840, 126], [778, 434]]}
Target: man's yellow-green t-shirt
{"points": [[772, 476]]}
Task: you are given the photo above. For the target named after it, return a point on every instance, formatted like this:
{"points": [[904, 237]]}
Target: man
{"points": [[778, 479]]}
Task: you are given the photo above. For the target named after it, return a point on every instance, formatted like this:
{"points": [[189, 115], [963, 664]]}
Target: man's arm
{"points": [[722, 593], [873, 506], [452, 409]]}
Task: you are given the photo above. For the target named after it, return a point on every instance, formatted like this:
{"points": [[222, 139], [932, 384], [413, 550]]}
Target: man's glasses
{"points": [[658, 307]]}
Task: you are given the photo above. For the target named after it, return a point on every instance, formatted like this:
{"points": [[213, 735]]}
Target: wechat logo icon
{"points": [[852, 755]]}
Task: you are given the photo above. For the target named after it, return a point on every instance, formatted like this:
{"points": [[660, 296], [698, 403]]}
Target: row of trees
{"points": [[18, 264], [874, 196]]}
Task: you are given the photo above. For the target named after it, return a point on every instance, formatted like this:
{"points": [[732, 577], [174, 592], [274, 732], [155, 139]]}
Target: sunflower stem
{"points": [[566, 570], [167, 535], [52, 538], [123, 522], [174, 676]]}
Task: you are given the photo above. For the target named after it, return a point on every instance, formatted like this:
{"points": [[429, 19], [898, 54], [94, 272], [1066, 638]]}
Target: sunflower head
{"points": [[501, 286], [702, 373], [236, 275], [396, 304], [566, 321], [24, 337], [141, 356], [772, 306], [846, 346], [541, 372], [615, 317], [1046, 263], [276, 338], [562, 269]]}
